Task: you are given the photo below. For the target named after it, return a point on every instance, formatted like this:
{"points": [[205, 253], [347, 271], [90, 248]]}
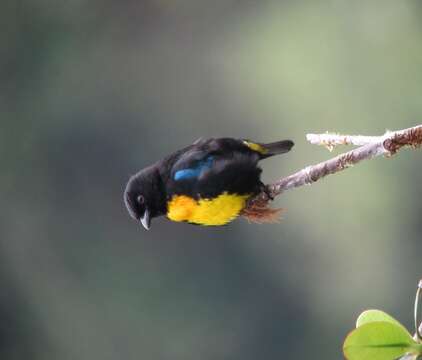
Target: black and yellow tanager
{"points": [[206, 183]]}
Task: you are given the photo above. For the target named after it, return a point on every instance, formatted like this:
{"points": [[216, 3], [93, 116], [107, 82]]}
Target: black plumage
{"points": [[203, 170]]}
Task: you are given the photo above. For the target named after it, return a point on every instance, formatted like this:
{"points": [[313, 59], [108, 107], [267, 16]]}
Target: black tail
{"points": [[275, 148]]}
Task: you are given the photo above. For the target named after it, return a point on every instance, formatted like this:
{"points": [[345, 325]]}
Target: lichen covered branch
{"points": [[409, 136], [257, 209], [330, 140]]}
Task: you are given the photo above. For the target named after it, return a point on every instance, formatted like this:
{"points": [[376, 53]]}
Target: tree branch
{"points": [[369, 147]]}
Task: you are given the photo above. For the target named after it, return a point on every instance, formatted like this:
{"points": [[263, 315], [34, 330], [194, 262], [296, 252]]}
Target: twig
{"points": [[331, 140], [369, 147], [418, 326]]}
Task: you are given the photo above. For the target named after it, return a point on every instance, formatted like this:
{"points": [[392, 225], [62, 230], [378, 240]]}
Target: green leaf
{"points": [[409, 357], [369, 316], [379, 341]]}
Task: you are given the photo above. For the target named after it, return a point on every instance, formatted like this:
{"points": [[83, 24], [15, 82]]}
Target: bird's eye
{"points": [[140, 199]]}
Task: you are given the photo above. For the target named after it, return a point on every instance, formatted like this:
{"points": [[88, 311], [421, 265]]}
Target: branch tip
{"points": [[368, 147]]}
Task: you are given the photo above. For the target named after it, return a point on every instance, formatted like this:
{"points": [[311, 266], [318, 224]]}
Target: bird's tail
{"points": [[275, 148]]}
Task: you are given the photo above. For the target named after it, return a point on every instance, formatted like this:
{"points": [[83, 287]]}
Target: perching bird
{"points": [[206, 183]]}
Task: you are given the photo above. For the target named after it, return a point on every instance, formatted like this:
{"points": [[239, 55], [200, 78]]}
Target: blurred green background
{"points": [[92, 91]]}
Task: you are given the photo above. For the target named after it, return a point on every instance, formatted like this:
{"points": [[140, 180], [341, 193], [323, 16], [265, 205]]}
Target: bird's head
{"points": [[144, 196]]}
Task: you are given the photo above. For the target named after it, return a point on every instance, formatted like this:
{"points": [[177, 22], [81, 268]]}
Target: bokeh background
{"points": [[92, 91]]}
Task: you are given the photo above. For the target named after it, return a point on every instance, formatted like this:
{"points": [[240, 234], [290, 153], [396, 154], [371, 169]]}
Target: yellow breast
{"points": [[216, 211]]}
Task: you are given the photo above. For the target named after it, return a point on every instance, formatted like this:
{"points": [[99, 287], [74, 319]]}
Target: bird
{"points": [[207, 183]]}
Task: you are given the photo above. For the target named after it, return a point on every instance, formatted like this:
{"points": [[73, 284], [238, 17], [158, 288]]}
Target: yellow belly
{"points": [[217, 211]]}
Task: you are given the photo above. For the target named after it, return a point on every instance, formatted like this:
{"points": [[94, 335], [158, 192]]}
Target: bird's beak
{"points": [[146, 220]]}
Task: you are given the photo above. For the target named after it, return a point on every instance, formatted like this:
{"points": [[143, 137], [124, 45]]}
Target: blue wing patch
{"points": [[194, 172]]}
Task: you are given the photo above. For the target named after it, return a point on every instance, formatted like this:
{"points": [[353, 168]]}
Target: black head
{"points": [[145, 196]]}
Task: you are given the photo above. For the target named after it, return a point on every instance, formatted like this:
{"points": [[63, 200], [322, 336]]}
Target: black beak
{"points": [[146, 220]]}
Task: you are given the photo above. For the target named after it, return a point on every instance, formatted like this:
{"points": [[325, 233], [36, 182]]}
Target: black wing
{"points": [[213, 166]]}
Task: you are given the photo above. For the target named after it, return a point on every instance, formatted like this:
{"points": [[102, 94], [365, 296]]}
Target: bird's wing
{"points": [[214, 167], [191, 165]]}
